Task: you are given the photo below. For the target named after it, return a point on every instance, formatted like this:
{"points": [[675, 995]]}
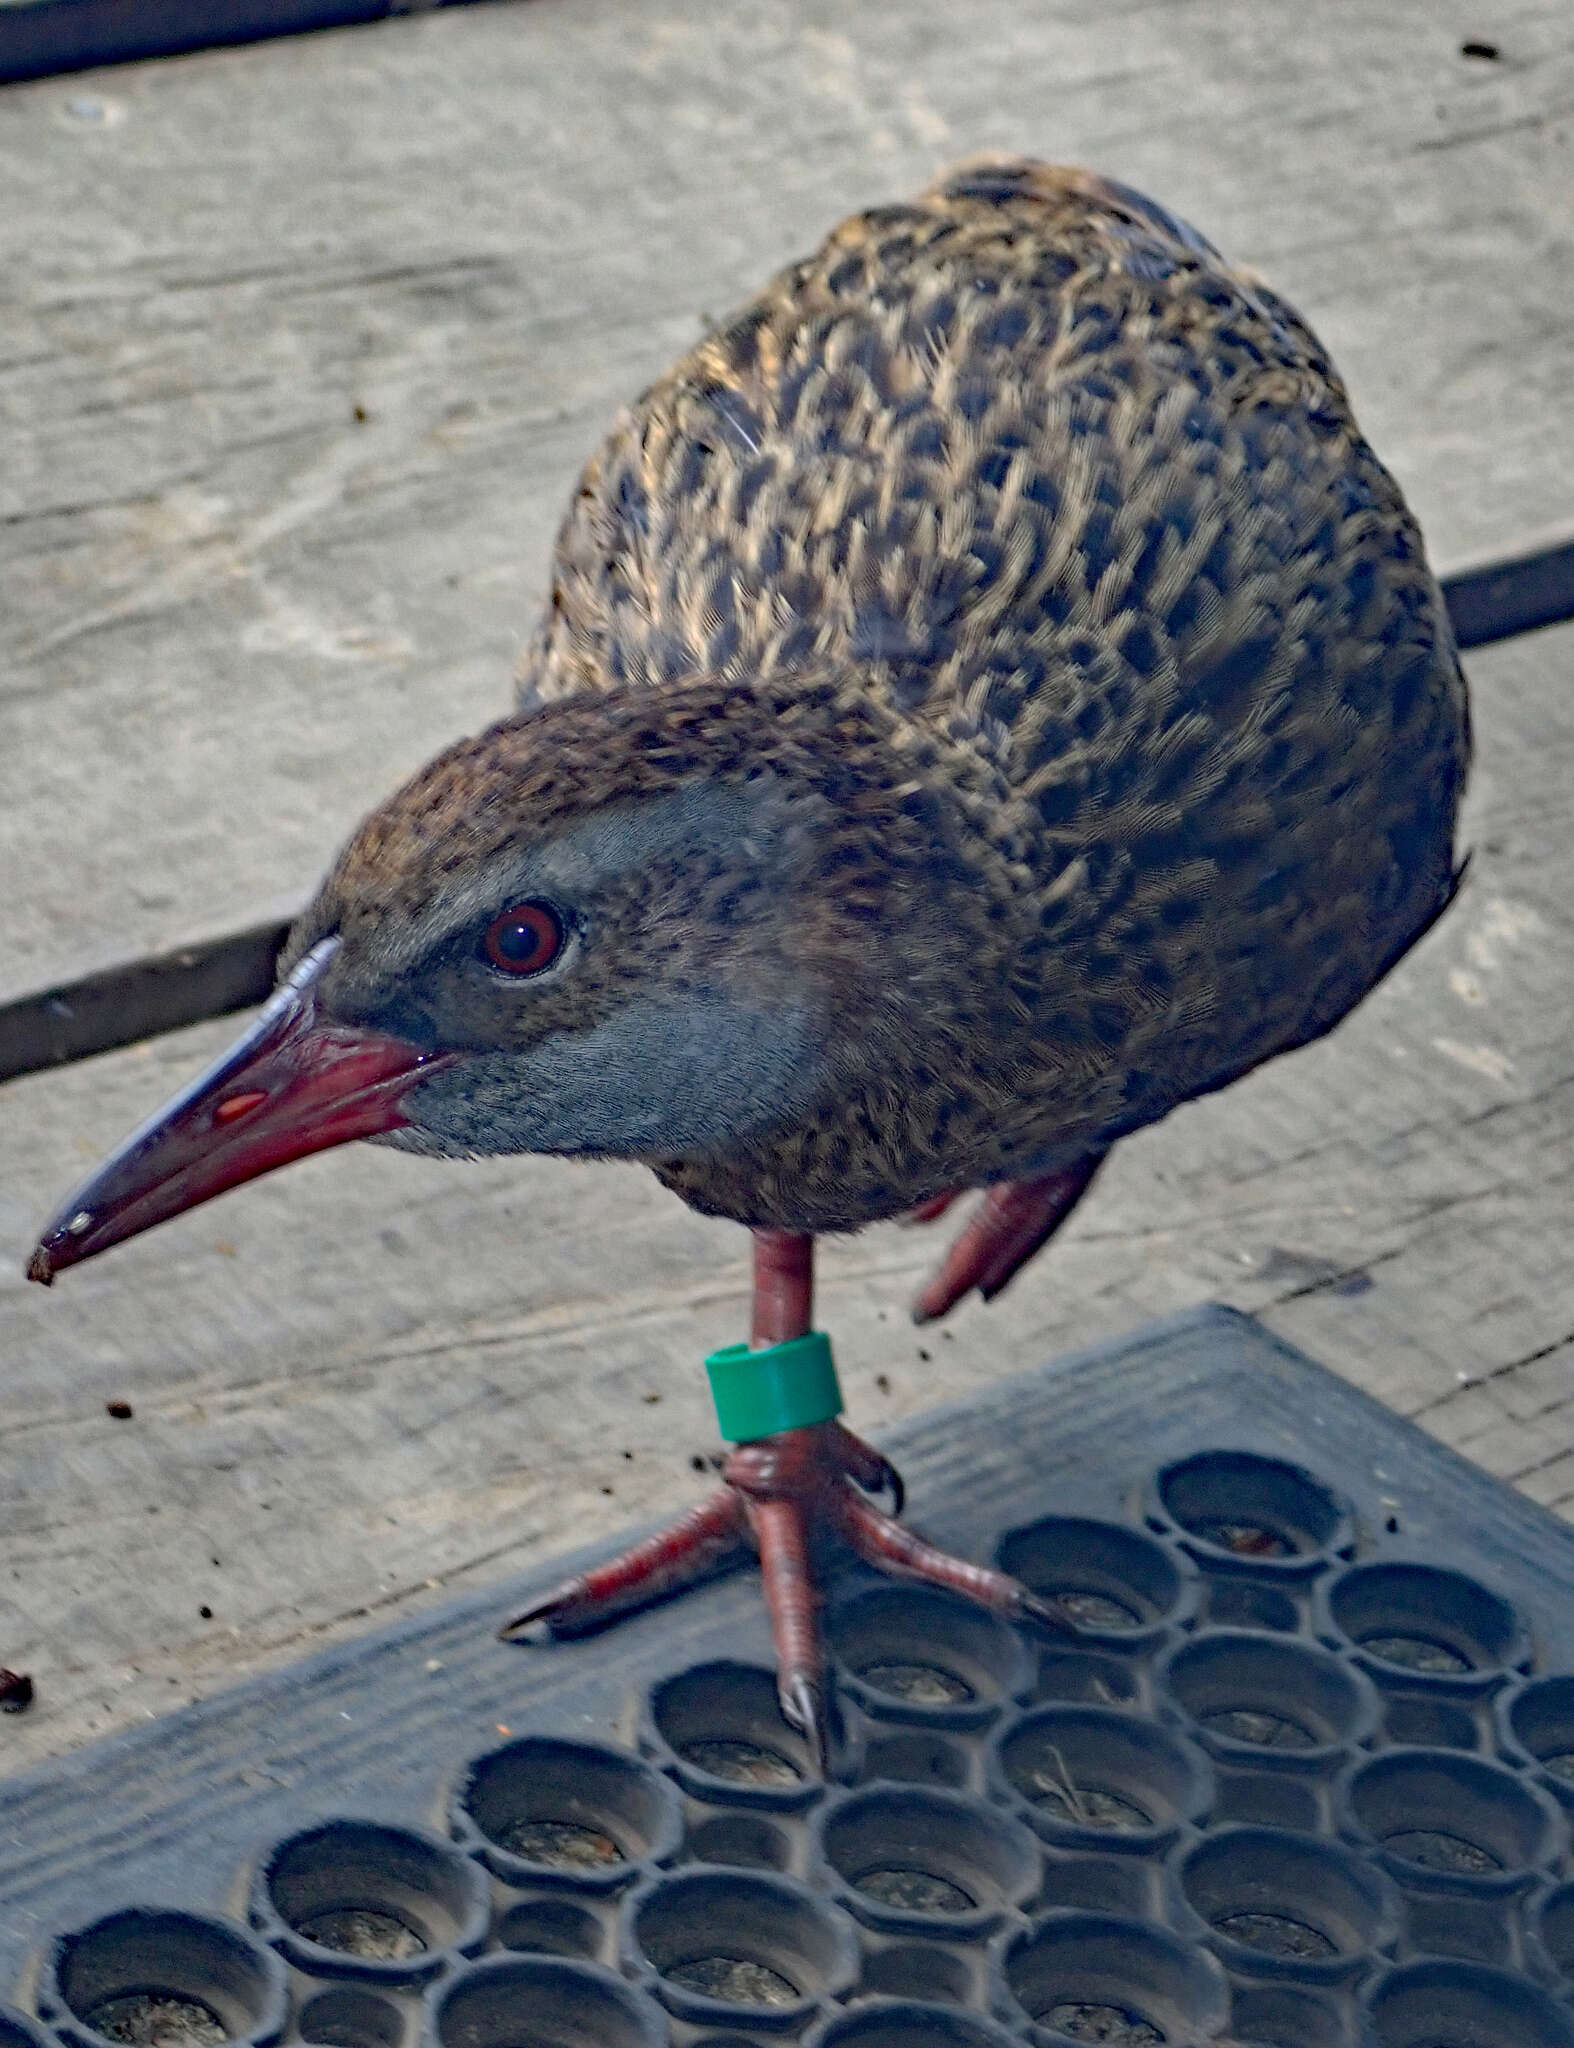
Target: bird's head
{"points": [[645, 927]]}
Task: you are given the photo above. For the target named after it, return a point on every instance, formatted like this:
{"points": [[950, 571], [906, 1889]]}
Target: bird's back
{"points": [[1086, 511]]}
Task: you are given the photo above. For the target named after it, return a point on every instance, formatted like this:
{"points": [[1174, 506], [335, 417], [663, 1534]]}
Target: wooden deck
{"points": [[300, 348]]}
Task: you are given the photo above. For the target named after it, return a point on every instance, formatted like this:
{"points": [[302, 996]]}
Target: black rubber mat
{"points": [[1306, 1783]]}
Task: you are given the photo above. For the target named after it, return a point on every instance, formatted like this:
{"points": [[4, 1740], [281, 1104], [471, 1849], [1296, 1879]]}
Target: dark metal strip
{"points": [[1515, 595], [139, 1000], [41, 37]]}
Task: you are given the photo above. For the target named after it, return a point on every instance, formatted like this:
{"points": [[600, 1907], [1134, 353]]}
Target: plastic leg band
{"points": [[784, 1386]]}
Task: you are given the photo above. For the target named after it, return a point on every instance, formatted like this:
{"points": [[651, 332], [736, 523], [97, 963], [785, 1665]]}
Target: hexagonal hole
{"points": [[1448, 1815], [914, 1654], [1541, 1721], [152, 1979], [1292, 1899], [1260, 1694], [1251, 1511], [1424, 1622], [1281, 2016], [912, 1854], [520, 2001], [555, 1811], [1090, 1772], [912, 2023], [741, 1939], [1438, 2004], [1092, 1977], [350, 2017], [1104, 1577], [724, 1725], [374, 1895]]}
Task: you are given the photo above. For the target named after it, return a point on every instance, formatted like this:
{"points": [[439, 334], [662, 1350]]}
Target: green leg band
{"points": [[785, 1386]]}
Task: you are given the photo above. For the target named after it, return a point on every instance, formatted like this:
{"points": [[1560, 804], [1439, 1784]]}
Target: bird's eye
{"points": [[524, 939]]}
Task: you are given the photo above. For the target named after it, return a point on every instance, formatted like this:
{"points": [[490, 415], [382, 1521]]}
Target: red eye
{"points": [[524, 939]]}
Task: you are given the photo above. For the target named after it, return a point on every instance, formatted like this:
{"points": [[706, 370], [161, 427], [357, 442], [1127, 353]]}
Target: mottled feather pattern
{"points": [[1017, 516]]}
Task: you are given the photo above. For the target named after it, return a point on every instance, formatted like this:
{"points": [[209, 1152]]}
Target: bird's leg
{"points": [[1014, 1220], [822, 1472], [783, 1305], [783, 1477], [783, 1309], [782, 1483], [698, 1541]]}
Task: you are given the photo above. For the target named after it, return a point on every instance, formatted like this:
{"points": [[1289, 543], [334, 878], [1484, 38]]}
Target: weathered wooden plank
{"points": [[372, 1376], [235, 611], [301, 346]]}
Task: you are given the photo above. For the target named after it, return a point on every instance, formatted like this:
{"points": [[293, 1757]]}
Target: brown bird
{"points": [[990, 694]]}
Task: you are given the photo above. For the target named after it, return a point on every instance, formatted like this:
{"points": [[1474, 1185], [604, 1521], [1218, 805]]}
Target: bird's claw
{"points": [[1048, 1613], [891, 1482], [890, 1546], [551, 1608], [803, 1707], [869, 1469]]}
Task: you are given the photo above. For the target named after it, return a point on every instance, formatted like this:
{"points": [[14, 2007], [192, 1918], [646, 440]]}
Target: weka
{"points": [[990, 694]]}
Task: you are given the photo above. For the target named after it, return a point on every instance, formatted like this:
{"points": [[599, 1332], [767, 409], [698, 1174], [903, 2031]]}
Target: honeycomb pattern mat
{"points": [[1305, 1781]]}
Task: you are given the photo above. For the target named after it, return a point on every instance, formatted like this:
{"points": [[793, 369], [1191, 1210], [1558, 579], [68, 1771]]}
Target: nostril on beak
{"points": [[234, 1106]]}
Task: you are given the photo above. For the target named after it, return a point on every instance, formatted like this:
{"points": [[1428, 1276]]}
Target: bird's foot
{"points": [[779, 1490], [825, 1475], [1013, 1221]]}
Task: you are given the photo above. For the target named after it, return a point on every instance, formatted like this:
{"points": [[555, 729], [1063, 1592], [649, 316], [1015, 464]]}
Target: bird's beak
{"points": [[294, 1083]]}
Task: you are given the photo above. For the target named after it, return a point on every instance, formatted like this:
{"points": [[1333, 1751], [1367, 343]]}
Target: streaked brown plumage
{"points": [[990, 694], [1048, 544]]}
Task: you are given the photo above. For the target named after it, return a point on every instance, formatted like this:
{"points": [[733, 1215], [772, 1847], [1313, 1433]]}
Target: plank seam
{"points": [[144, 998]]}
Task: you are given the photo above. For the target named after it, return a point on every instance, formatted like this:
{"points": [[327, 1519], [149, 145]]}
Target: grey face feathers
{"points": [[742, 923], [679, 1013]]}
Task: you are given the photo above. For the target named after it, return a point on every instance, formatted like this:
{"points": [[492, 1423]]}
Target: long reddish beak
{"points": [[296, 1082]]}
